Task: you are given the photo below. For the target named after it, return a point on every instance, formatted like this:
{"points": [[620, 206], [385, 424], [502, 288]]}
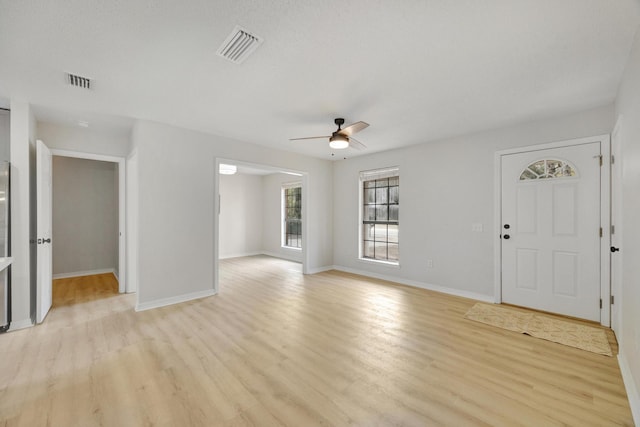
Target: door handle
{"points": [[614, 249], [506, 236], [46, 240]]}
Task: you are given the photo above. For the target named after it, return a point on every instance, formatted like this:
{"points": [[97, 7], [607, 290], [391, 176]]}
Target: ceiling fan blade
{"points": [[353, 128], [354, 143], [309, 137]]}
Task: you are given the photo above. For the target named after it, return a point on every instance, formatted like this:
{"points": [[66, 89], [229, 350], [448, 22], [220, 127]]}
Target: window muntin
{"points": [[548, 168], [292, 232], [380, 214]]}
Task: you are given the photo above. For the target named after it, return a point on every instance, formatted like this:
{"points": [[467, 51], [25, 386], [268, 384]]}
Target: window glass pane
{"points": [[537, 167], [369, 213], [381, 195], [381, 232], [393, 251], [292, 198], [381, 250], [380, 207], [369, 195], [393, 212], [392, 233], [382, 182], [393, 195], [368, 232], [381, 212], [367, 249], [527, 174]]}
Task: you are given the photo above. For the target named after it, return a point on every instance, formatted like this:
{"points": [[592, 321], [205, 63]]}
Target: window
{"points": [[292, 213], [380, 213], [547, 169]]}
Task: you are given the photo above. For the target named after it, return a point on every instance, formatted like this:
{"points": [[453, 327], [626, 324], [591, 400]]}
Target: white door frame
{"points": [[605, 216], [616, 221], [216, 210], [122, 259]]}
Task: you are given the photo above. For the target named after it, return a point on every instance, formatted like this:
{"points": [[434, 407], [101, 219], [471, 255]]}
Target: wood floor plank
{"points": [[277, 348]]}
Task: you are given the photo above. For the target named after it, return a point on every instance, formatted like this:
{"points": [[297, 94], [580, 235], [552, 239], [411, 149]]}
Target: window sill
{"points": [[389, 264], [291, 248]]}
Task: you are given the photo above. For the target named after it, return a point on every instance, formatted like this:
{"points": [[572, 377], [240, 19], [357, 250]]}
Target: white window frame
{"points": [[369, 175], [283, 218]]}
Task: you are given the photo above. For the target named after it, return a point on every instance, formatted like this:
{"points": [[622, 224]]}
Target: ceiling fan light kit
{"points": [[338, 142], [228, 169], [342, 138]]}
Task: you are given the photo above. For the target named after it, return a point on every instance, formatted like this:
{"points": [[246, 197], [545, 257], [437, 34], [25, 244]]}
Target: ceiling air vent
{"points": [[79, 81], [239, 45]]}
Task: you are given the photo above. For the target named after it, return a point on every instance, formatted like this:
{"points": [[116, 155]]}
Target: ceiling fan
{"points": [[342, 138]]}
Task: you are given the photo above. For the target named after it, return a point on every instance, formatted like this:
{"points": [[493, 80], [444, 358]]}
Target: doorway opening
{"points": [[88, 215], [260, 210]]}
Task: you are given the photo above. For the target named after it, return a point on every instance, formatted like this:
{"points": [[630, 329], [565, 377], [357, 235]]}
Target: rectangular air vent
{"points": [[79, 81], [239, 45]]}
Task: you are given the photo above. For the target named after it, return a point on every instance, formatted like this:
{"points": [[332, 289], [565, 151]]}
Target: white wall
{"points": [[240, 215], [628, 107], [176, 171], [85, 216], [84, 140], [445, 187], [23, 134], [272, 214]]}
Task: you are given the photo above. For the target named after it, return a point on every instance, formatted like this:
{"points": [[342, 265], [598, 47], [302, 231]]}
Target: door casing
{"points": [[605, 216]]}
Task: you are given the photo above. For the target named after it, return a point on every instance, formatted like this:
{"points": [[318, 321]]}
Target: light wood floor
{"points": [[278, 348]]}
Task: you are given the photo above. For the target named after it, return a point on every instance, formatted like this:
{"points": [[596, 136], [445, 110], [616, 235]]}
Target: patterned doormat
{"points": [[540, 326]]}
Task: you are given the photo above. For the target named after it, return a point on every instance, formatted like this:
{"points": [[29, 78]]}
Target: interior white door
{"points": [[44, 215], [551, 230]]}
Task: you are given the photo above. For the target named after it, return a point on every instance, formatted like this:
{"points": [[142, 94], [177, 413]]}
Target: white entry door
{"points": [[44, 207], [551, 230]]}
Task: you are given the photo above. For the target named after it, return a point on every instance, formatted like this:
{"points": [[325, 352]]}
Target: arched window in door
{"points": [[548, 168]]}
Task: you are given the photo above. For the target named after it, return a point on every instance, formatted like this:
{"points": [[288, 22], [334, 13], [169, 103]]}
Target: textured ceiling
{"points": [[416, 70]]}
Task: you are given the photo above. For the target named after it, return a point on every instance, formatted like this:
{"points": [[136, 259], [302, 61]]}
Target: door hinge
{"points": [[600, 157], [613, 229], [600, 302], [613, 159], [611, 299], [600, 231]]}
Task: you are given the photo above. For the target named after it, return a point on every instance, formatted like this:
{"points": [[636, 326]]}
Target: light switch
{"points": [[477, 227]]}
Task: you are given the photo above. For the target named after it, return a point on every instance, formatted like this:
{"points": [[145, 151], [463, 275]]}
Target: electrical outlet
{"points": [[429, 263]]}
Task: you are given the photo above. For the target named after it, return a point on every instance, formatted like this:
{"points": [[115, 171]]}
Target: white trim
{"points": [[414, 283], [380, 262], [122, 200], [281, 255], [20, 324], [163, 302], [605, 222], [632, 390], [240, 255], [617, 239], [85, 273], [321, 269]]}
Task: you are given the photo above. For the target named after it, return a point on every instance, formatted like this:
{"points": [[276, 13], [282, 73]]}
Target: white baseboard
{"points": [[416, 284], [321, 269], [241, 255], [20, 324], [629, 384], [174, 300], [289, 255], [84, 273]]}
